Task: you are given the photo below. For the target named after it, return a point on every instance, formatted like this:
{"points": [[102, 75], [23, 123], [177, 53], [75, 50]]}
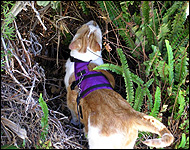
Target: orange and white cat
{"points": [[109, 120]]}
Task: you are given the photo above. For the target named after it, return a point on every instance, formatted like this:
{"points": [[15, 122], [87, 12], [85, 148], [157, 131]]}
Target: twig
{"points": [[19, 62], [37, 14], [18, 7], [8, 66], [21, 40], [21, 73], [43, 10], [30, 94]]}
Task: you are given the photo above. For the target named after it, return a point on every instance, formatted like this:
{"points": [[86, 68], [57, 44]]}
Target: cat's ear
{"points": [[76, 44], [93, 43]]}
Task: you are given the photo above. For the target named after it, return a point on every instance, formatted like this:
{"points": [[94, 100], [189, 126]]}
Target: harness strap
{"points": [[92, 87], [75, 59], [75, 83]]}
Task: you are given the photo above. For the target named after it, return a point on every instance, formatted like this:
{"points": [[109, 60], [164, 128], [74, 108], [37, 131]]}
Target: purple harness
{"points": [[86, 80]]}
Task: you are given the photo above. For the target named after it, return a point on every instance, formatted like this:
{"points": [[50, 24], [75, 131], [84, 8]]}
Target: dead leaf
{"points": [[15, 128]]}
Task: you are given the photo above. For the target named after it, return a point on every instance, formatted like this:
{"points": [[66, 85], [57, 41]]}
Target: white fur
{"points": [[69, 70], [89, 55], [99, 141]]}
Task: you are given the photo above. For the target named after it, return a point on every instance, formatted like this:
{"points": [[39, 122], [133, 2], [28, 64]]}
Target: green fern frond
{"points": [[153, 56], [139, 95], [157, 102], [181, 70], [118, 70], [149, 101], [111, 67], [163, 31], [84, 8], [136, 79], [181, 40], [110, 9], [147, 92], [127, 77], [175, 7], [147, 26], [163, 70], [170, 62], [113, 12], [149, 82], [177, 29], [181, 102], [145, 11]]}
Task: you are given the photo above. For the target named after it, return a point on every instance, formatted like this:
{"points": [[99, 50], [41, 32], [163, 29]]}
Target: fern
{"points": [[163, 33], [177, 29], [149, 101], [184, 144], [147, 92], [111, 67], [145, 11], [146, 24], [127, 77], [126, 14], [181, 102], [157, 102], [172, 10], [139, 95], [136, 79], [163, 70], [83, 5], [153, 58], [149, 82], [181, 70], [118, 70], [125, 72], [113, 12], [110, 9], [170, 62]]}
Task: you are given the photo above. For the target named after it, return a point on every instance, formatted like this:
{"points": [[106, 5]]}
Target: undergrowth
{"points": [[155, 34], [160, 43], [7, 31]]}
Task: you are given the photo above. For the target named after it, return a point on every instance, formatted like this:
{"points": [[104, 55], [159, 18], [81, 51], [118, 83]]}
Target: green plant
{"points": [[54, 4], [127, 77], [184, 143], [158, 38], [9, 147], [44, 124], [112, 13], [157, 102], [84, 8], [44, 120], [170, 62], [7, 31]]}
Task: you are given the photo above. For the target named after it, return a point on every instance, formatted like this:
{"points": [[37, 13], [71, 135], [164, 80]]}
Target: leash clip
{"points": [[79, 86], [79, 109]]}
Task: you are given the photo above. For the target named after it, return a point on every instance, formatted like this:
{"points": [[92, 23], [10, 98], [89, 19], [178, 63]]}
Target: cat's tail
{"points": [[150, 124]]}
